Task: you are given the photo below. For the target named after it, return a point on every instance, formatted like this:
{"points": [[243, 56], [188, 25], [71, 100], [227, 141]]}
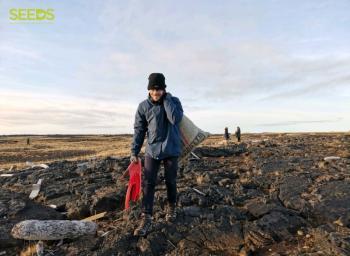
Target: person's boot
{"points": [[144, 226], [170, 213]]}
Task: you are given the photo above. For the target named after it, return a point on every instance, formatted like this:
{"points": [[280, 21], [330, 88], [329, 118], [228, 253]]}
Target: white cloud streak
{"points": [[22, 113]]}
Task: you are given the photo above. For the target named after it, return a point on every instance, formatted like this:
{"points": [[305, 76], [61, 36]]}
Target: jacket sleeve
{"points": [[140, 129], [173, 109]]}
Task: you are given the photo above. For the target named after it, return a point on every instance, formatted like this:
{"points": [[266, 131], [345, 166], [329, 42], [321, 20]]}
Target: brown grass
{"points": [[45, 149], [29, 251]]}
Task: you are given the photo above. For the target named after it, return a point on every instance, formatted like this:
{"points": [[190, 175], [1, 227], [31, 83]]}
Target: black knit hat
{"points": [[156, 81]]}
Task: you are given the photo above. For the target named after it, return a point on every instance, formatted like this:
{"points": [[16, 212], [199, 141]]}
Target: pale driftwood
{"points": [[106, 233], [330, 158], [44, 166], [35, 190], [193, 154], [95, 217], [198, 192], [6, 175], [32, 165], [52, 229]]}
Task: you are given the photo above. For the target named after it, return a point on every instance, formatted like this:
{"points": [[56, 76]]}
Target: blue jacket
{"points": [[160, 121]]}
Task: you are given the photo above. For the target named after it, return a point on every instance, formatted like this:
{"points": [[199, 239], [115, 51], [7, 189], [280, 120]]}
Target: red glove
{"points": [[134, 186]]}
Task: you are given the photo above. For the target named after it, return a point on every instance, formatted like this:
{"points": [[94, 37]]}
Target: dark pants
{"points": [[150, 178]]}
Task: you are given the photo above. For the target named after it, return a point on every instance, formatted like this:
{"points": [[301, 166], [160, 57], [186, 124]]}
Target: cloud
{"points": [[251, 58], [330, 85], [198, 51], [35, 113]]}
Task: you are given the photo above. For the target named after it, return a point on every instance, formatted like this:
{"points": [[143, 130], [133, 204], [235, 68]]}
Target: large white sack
{"points": [[191, 136]]}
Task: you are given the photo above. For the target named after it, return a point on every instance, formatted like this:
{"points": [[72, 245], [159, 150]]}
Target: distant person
{"points": [[158, 116], [238, 134], [28, 141], [226, 134]]}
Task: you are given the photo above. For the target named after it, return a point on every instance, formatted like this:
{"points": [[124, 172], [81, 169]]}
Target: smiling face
{"points": [[156, 94]]}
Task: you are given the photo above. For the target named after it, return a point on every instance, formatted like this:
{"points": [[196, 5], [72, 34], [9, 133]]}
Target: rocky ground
{"points": [[268, 196]]}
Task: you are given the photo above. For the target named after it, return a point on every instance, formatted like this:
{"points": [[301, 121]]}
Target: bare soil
{"points": [[271, 194]]}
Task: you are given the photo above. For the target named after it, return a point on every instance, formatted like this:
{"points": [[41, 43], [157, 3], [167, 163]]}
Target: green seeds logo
{"points": [[31, 15]]}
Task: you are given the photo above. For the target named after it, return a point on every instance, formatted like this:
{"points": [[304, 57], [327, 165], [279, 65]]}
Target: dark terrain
{"points": [[269, 195]]}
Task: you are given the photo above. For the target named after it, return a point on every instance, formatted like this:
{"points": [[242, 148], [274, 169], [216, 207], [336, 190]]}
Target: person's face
{"points": [[156, 94]]}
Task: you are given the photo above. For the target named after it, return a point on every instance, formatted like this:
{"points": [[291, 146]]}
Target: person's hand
{"points": [[134, 159]]}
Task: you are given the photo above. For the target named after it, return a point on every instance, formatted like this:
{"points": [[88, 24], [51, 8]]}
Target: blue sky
{"points": [[267, 66]]}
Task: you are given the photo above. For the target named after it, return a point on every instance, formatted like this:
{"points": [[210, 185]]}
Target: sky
{"points": [[266, 66]]}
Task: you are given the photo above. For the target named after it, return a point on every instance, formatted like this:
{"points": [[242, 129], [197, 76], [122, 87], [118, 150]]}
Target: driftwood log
{"points": [[52, 229], [36, 189]]}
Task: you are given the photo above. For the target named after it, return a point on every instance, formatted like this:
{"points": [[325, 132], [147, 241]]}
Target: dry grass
{"points": [[29, 251], [45, 149]]}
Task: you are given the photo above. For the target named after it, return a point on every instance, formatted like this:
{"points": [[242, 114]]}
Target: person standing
{"points": [[238, 134], [226, 134], [158, 117]]}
